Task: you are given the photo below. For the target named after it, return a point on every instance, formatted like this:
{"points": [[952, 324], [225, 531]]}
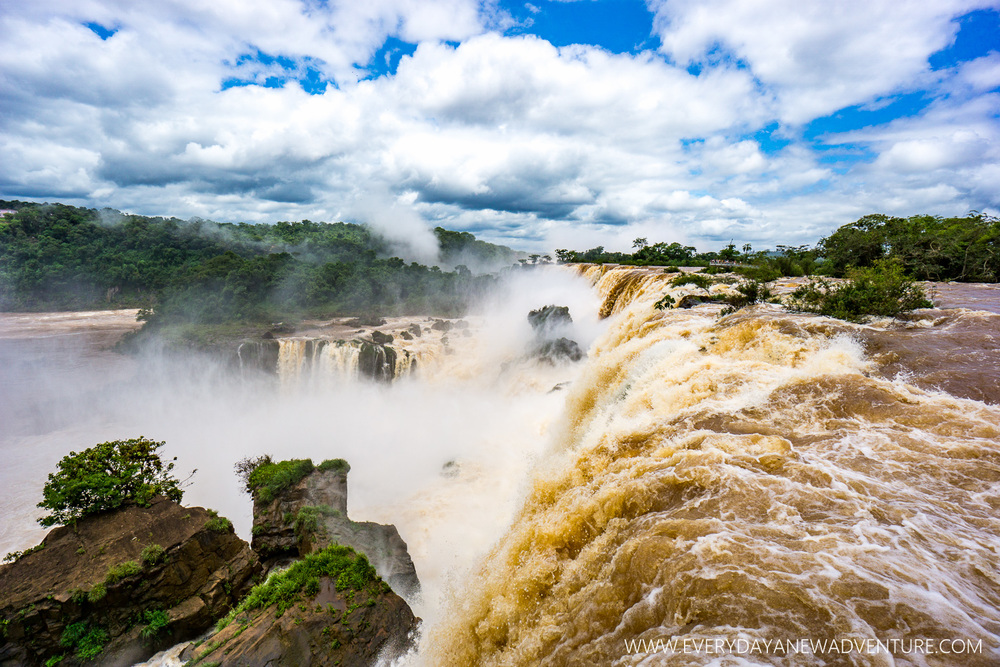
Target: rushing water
{"points": [[700, 485], [742, 490]]}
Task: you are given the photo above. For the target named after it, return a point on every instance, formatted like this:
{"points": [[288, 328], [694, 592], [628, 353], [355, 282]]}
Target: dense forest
{"points": [[55, 257], [965, 249]]}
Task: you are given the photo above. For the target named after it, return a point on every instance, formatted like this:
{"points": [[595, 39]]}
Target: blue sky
{"points": [[538, 124]]}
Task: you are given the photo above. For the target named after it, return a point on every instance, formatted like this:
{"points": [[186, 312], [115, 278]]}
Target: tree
{"points": [[640, 243], [105, 477]]}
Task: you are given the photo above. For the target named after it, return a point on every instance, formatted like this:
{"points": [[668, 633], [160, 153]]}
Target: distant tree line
{"points": [[964, 249], [60, 257]]}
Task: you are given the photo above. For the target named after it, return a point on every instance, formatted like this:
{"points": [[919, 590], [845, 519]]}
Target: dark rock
{"points": [[415, 330], [325, 627], [441, 325], [406, 335], [281, 328], [312, 514], [203, 571], [381, 338], [547, 323], [689, 301], [377, 362], [258, 355], [560, 349], [549, 317]]}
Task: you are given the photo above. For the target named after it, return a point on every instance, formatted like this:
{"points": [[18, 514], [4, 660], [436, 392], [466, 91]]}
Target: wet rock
{"points": [[560, 349], [377, 361], [548, 318], [381, 338], [101, 577], [312, 514], [689, 301], [547, 323], [328, 622], [406, 335], [415, 330], [258, 355], [441, 325]]}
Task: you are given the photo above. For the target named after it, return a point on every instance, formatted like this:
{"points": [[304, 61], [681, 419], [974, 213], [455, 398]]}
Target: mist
{"points": [[482, 406]]}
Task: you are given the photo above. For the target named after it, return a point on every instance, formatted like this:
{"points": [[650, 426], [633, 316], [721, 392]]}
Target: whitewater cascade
{"points": [[764, 488]]}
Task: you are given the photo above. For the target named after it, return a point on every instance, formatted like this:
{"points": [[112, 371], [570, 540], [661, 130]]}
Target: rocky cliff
{"points": [[330, 608], [117, 587], [299, 509]]}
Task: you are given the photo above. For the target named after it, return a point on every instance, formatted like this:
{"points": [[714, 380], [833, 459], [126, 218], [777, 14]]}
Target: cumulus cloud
{"points": [[194, 109]]}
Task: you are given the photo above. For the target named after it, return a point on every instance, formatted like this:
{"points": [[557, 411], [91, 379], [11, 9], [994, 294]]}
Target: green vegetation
{"points": [[54, 660], [882, 290], [97, 593], [749, 293], [122, 570], [105, 477], [63, 257], [152, 555], [156, 621], [928, 248], [18, 555], [350, 571], [340, 465], [665, 302], [86, 640], [695, 279], [268, 479], [219, 524], [307, 519]]}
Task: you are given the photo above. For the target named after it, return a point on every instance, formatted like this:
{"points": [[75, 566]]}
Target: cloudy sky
{"points": [[537, 124]]}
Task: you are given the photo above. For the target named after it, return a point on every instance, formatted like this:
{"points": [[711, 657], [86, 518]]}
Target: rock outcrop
{"points": [[548, 345], [327, 609], [311, 513], [122, 585]]}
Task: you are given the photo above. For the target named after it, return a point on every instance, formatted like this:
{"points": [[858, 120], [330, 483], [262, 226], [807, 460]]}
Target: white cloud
{"points": [[816, 57], [509, 137]]}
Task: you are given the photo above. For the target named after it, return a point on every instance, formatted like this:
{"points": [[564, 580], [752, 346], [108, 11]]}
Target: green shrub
{"points": [[750, 293], [269, 479], [307, 520], [695, 279], [340, 465], [246, 466], [672, 269], [156, 621], [152, 555], [97, 593], [715, 270], [882, 290], [349, 569], [219, 524], [761, 273], [105, 477], [121, 571], [665, 302], [54, 660], [18, 555], [87, 641]]}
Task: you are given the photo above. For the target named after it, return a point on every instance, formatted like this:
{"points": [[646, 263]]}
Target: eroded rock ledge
{"points": [[122, 585], [307, 511]]}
